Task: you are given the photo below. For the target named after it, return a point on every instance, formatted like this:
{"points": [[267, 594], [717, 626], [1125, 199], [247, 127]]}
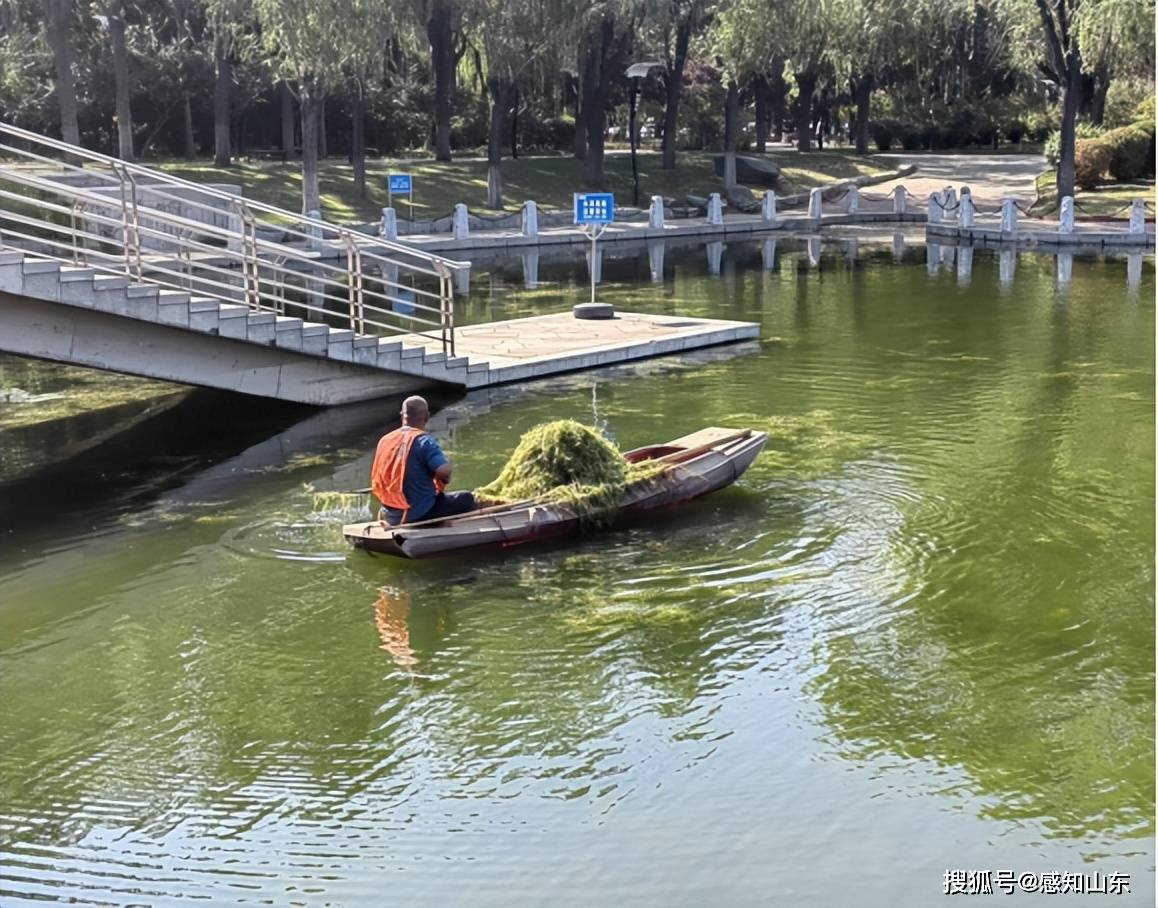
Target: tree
{"points": [[1063, 65], [871, 35], [674, 23], [442, 20], [60, 13], [114, 21]]}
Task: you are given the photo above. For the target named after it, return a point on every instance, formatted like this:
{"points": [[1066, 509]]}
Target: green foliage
{"points": [[1091, 161], [1053, 149], [1089, 130], [1144, 113], [1131, 155]]}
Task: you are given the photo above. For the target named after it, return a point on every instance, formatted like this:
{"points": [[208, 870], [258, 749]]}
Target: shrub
{"points": [[1144, 113], [910, 139], [883, 135], [1130, 157], [1053, 149], [1089, 130], [1014, 131], [1091, 160]]}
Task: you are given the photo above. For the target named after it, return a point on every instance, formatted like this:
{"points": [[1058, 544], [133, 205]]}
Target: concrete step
{"points": [[366, 349], [141, 290], [232, 320], [109, 281], [41, 279], [203, 314], [315, 338], [11, 257], [478, 365], [260, 327], [41, 266], [413, 353], [431, 359], [288, 332], [341, 344], [70, 273], [173, 308], [12, 276], [389, 354]]}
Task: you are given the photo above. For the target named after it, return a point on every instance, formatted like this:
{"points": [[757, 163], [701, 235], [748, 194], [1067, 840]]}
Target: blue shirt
{"points": [[418, 483]]}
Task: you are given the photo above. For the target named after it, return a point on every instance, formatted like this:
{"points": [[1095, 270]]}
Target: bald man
{"points": [[410, 472]]}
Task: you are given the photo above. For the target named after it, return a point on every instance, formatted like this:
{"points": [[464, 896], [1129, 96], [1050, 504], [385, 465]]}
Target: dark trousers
{"points": [[446, 504]]}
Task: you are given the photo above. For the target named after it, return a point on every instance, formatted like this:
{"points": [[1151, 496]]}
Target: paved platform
{"points": [[542, 345], [1034, 232]]}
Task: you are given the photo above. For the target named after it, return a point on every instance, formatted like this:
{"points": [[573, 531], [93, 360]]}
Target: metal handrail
{"points": [[172, 250]]}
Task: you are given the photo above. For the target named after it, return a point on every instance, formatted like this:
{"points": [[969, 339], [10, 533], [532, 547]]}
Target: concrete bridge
{"points": [[109, 264]]}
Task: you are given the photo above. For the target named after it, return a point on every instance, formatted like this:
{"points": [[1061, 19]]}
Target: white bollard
{"points": [[934, 216], [389, 228], [965, 213], [900, 200], [530, 218], [949, 204], [1137, 216], [815, 203], [1008, 215], [655, 214], [1066, 215], [768, 208], [853, 200], [715, 209], [461, 230]]}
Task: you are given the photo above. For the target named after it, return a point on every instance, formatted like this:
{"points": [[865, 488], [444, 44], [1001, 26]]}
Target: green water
{"points": [[917, 635]]}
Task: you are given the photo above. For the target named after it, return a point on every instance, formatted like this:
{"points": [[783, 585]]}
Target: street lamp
{"points": [[635, 72]]}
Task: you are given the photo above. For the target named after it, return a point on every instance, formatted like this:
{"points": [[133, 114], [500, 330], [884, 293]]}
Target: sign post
{"points": [[593, 212], [401, 184]]}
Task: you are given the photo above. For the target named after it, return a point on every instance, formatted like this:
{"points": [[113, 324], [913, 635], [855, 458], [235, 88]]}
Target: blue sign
{"points": [[400, 183], [594, 208]]}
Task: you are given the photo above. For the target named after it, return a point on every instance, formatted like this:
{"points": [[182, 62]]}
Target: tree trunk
{"points": [[500, 91], [323, 148], [862, 91], [806, 83], [731, 130], [59, 28], [190, 138], [115, 14], [760, 94], [310, 102], [1071, 101], [222, 148], [595, 103], [779, 89], [358, 141], [1098, 100], [674, 76], [515, 125], [582, 80], [287, 119], [441, 38]]}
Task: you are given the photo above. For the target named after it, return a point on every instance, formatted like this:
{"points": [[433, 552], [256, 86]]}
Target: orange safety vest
{"points": [[389, 470]]}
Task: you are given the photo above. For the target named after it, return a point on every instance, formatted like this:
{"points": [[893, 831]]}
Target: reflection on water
{"points": [[917, 634]]}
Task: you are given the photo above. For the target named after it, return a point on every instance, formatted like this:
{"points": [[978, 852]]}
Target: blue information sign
{"points": [[594, 208], [400, 183]]}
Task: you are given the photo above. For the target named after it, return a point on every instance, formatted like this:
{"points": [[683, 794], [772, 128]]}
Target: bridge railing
{"points": [[68, 203]]}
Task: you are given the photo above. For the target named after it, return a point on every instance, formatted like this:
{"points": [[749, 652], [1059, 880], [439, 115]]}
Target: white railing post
{"points": [[853, 200], [1137, 216], [354, 272], [715, 209], [530, 219], [655, 215], [1066, 215], [461, 229], [934, 215], [965, 218], [900, 200], [1008, 215], [815, 204], [768, 208], [389, 228], [949, 203]]}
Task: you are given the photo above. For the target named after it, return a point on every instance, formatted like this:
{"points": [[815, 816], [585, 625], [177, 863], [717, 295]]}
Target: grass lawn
{"points": [[550, 181], [1110, 200]]}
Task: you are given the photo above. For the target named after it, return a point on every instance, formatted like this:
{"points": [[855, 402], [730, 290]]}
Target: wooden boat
{"points": [[693, 466]]}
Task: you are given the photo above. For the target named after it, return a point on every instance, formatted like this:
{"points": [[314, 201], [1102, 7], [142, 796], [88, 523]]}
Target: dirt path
{"points": [[989, 176]]}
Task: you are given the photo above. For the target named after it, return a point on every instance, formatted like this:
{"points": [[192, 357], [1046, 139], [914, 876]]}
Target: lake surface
{"points": [[918, 635]]}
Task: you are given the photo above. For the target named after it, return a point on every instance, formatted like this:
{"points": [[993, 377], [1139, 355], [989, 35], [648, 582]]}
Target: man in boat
{"points": [[410, 472]]}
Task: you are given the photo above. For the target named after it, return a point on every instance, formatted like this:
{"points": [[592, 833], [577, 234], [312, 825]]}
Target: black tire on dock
{"points": [[594, 310]]}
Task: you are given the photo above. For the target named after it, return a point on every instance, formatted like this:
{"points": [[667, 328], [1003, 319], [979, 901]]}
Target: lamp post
{"points": [[635, 72]]}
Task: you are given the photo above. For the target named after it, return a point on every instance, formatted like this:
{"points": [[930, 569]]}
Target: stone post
{"points": [[815, 203], [461, 229], [1137, 216], [934, 216], [655, 215], [965, 213], [1008, 215], [900, 200], [949, 201], [853, 200], [530, 219], [389, 228], [1066, 215], [715, 252], [768, 208], [715, 209]]}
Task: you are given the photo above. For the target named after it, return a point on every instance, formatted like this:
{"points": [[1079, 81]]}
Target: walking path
{"points": [[988, 176]]}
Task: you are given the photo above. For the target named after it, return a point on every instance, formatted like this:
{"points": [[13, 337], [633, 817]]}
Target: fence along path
{"points": [[123, 218]]}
